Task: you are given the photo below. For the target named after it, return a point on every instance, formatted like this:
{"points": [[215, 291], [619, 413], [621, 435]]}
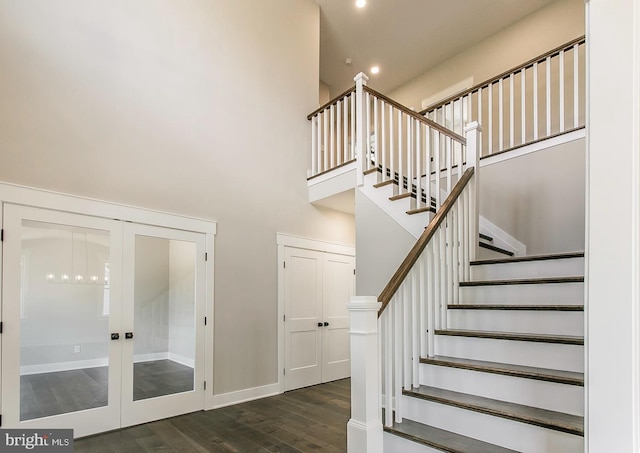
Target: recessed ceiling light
{"points": [[361, 3], [375, 69]]}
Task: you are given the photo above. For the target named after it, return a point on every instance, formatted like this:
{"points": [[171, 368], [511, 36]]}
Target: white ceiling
{"points": [[405, 37]]}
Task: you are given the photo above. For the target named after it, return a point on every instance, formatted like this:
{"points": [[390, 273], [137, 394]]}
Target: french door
{"points": [[100, 321]]}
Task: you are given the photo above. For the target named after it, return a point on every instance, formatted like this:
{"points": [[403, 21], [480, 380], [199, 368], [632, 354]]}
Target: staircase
{"points": [[507, 374]]}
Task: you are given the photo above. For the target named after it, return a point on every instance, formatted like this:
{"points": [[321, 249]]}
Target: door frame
{"points": [[46, 199], [286, 240]]}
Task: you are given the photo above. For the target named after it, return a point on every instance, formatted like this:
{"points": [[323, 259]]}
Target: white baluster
{"points": [[364, 429], [392, 145], [523, 98], [388, 366], [368, 131], [342, 156], [472, 132], [535, 100], [418, 126], [479, 121], [548, 70], [490, 119], [436, 153], [423, 304], [576, 113], [427, 163], [332, 135], [325, 129], [354, 122], [415, 327], [511, 112], [383, 123], [376, 132], [432, 291], [465, 234], [402, 152], [410, 154], [314, 145], [450, 228], [407, 334], [500, 116], [561, 94], [397, 355], [345, 127]]}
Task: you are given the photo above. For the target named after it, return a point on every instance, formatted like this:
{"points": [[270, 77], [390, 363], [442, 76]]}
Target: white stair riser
{"points": [[567, 267], [530, 392], [496, 430], [551, 293], [529, 321], [393, 443], [541, 355]]}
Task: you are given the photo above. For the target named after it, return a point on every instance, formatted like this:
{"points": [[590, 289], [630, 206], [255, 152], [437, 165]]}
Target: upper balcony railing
{"points": [[539, 99]]}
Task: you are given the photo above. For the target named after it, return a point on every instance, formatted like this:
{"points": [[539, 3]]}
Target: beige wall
{"points": [[324, 95], [537, 33], [195, 107]]}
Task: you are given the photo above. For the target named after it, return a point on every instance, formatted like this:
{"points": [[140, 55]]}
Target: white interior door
{"points": [[164, 323], [337, 289], [60, 304], [303, 317]]}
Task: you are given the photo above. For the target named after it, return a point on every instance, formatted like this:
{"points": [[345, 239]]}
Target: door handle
{"points": [[319, 324], [128, 335], [115, 336], [326, 323]]}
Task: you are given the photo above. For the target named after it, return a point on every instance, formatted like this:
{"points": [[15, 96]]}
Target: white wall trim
{"points": [[242, 396], [532, 148], [41, 198], [287, 240], [63, 366], [350, 167], [314, 244]]}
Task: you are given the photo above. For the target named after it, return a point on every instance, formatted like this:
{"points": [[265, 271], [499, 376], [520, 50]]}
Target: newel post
{"points": [[472, 134], [364, 430], [361, 139]]}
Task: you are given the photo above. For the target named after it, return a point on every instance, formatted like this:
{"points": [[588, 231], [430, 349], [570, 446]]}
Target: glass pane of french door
{"points": [[58, 298], [165, 310]]}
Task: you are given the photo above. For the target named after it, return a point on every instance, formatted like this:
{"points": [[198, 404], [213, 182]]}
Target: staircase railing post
{"points": [[364, 429], [472, 134], [361, 139]]}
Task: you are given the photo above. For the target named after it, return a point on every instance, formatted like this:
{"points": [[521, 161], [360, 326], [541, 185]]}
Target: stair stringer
{"points": [[416, 223]]}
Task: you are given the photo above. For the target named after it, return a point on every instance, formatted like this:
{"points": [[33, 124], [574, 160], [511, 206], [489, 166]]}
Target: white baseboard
{"points": [[242, 396], [182, 360], [150, 357], [63, 366]]}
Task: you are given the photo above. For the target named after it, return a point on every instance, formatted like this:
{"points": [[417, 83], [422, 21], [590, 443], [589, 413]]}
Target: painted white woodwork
{"points": [[316, 281], [613, 225], [529, 392], [337, 289], [185, 290], [15, 343], [529, 321], [303, 322], [396, 443], [542, 355], [551, 293], [82, 212], [361, 122], [364, 429], [565, 267], [496, 430]]}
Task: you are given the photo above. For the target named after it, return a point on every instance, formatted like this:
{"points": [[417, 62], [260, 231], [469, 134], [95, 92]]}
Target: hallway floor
{"points": [[310, 419]]}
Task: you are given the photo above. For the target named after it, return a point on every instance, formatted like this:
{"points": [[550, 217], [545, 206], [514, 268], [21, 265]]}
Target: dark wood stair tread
{"points": [[419, 210], [515, 336], [559, 421], [507, 369], [493, 248], [520, 307], [518, 259], [383, 183], [441, 439], [524, 281], [400, 196], [485, 237]]}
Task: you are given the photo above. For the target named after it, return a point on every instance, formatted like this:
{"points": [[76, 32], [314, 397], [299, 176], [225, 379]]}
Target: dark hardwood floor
{"points": [[61, 392], [304, 420]]}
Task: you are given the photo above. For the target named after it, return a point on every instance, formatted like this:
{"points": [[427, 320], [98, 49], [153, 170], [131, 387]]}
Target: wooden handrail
{"points": [[504, 75], [331, 102], [432, 124], [413, 255]]}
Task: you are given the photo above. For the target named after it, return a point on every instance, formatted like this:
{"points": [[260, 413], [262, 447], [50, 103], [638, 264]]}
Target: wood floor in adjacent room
{"points": [[309, 419]]}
